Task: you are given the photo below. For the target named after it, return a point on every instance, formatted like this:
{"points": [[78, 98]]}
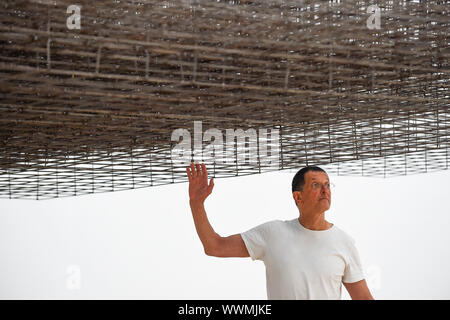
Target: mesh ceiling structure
{"points": [[92, 92]]}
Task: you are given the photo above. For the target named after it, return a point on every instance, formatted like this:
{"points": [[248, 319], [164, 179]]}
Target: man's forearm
{"points": [[205, 232]]}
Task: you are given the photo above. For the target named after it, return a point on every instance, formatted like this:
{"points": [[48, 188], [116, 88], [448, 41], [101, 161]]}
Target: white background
{"points": [[142, 243]]}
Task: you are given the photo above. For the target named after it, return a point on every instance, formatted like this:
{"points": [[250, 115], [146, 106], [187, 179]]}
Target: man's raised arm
{"points": [[213, 244]]}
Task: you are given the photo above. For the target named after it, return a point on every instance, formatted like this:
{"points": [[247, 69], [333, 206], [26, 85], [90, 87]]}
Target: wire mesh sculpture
{"points": [[92, 92]]}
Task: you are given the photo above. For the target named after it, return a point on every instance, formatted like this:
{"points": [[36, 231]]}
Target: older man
{"points": [[305, 258]]}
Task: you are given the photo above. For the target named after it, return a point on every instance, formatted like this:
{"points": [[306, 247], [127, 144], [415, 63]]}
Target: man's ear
{"points": [[297, 195]]}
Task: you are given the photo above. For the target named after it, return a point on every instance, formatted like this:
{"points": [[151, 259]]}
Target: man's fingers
{"points": [[205, 173], [211, 185], [189, 174], [194, 174], [199, 172]]}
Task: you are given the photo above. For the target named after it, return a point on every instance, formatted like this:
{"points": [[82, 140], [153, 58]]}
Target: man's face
{"points": [[315, 197]]}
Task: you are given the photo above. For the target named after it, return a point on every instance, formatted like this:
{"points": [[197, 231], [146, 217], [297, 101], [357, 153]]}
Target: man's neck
{"points": [[314, 221]]}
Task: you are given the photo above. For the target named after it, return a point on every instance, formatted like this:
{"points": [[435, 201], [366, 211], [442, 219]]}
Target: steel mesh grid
{"points": [[92, 110]]}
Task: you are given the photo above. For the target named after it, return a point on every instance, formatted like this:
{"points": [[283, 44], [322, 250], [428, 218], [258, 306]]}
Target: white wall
{"points": [[142, 243]]}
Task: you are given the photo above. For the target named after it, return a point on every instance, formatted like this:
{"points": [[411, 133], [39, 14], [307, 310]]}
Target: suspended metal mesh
{"points": [[94, 109]]}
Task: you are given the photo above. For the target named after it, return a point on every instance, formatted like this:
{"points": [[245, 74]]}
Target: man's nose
{"points": [[324, 190]]}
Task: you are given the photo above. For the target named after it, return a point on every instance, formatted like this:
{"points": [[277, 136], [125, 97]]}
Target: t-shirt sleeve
{"points": [[256, 240], [353, 268]]}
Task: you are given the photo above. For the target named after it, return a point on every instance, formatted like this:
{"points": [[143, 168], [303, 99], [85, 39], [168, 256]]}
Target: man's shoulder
{"points": [[271, 225], [282, 223], [343, 235]]}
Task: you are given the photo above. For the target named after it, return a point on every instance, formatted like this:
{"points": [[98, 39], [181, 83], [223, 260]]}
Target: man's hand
{"points": [[199, 189], [214, 244]]}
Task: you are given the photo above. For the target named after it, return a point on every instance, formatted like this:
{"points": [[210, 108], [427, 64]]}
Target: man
{"points": [[305, 258]]}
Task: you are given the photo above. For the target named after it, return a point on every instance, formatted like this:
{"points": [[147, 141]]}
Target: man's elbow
{"points": [[212, 249], [209, 251]]}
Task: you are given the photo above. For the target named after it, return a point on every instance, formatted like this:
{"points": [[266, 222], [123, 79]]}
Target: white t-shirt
{"points": [[303, 263]]}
